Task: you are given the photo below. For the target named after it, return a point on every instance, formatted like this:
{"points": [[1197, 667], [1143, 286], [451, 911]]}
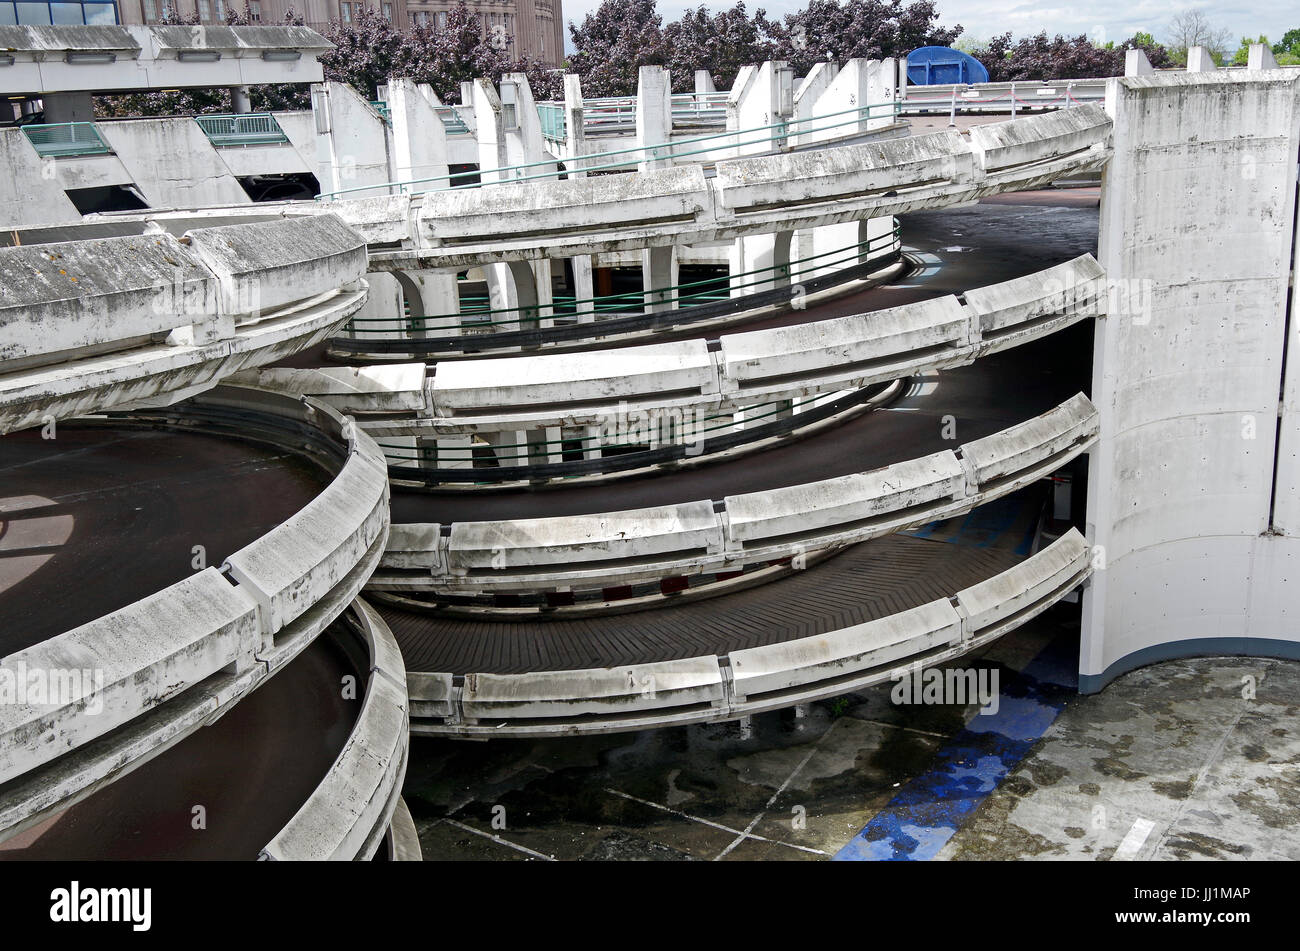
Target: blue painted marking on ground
{"points": [[929, 809]]}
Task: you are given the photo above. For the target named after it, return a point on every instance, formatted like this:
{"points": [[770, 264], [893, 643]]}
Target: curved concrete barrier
{"points": [[137, 320], [349, 814], [756, 195], [154, 671], [763, 194], [752, 680], [739, 370], [618, 548]]}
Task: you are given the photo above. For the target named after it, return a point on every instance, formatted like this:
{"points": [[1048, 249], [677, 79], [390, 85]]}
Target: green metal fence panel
{"points": [[66, 139], [247, 128]]}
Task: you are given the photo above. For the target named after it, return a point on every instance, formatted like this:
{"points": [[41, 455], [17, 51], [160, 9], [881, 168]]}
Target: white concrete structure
{"points": [[178, 659], [743, 682], [590, 552], [128, 321], [1194, 488]]}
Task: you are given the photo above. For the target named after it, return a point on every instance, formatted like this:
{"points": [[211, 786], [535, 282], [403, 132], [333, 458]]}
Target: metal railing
{"points": [[247, 128], [683, 296], [773, 136], [551, 115], [451, 120], [66, 139], [1003, 97]]}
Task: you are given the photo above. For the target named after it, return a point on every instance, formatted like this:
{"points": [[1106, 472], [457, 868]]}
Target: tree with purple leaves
{"points": [[614, 42], [870, 29], [1043, 58], [722, 43]]}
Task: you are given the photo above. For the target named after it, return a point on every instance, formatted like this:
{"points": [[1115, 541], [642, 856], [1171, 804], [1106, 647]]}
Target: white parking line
{"points": [[500, 841], [1134, 839], [708, 822], [776, 795]]}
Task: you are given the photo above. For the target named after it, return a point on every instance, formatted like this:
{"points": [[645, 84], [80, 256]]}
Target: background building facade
{"points": [[534, 27]]}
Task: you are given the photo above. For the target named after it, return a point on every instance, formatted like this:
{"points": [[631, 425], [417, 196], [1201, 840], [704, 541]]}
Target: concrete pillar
{"points": [[1136, 63], [240, 99], [704, 82], [419, 137], [654, 116], [658, 272], [751, 253], [1260, 57], [69, 107], [1199, 60], [583, 286], [575, 145], [432, 294], [384, 300]]}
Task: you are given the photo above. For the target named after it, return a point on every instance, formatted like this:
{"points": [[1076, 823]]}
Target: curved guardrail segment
{"points": [[738, 371], [347, 816], [113, 322], [592, 551], [750, 680], [159, 668]]}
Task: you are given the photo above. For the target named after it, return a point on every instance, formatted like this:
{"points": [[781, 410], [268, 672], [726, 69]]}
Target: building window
{"points": [[255, 11], [205, 10], [388, 12], [441, 19], [345, 11], [221, 10]]}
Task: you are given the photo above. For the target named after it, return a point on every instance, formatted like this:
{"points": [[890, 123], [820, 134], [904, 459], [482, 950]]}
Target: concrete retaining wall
{"points": [[347, 816], [1192, 489]]}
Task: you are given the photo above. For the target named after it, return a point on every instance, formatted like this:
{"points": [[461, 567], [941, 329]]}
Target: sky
{"points": [[1100, 20]]}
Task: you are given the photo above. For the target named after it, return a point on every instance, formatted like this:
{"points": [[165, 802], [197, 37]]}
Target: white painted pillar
{"points": [[654, 116]]}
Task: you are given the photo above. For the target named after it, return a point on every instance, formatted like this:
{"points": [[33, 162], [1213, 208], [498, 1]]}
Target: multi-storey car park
{"points": [[521, 419]]}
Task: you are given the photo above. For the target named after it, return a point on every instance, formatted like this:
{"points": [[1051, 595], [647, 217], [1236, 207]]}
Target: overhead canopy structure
{"points": [[36, 60]]}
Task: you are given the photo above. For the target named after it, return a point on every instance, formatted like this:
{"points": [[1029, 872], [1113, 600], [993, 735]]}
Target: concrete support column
{"points": [[583, 286], [69, 107], [658, 273], [384, 300], [240, 99], [654, 116], [574, 130], [431, 294], [1199, 60], [751, 253]]}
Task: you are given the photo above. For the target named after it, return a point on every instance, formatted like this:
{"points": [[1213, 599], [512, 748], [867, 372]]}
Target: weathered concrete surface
{"points": [[1175, 745], [1193, 486], [701, 792]]}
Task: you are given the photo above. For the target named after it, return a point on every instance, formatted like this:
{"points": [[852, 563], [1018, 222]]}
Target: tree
{"points": [[1287, 50], [722, 44], [613, 43], [1041, 58], [872, 29], [1242, 56], [1193, 28]]}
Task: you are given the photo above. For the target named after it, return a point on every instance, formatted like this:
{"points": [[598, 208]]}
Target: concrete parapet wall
{"points": [[593, 551], [751, 680], [165, 665], [826, 356], [272, 263], [111, 322], [347, 816]]}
